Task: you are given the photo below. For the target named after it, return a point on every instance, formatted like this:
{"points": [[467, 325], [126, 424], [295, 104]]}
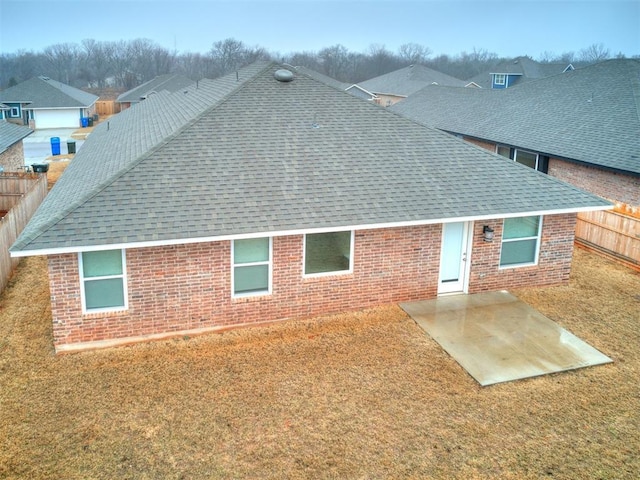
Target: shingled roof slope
{"points": [[43, 92], [590, 115], [11, 134], [273, 157], [524, 67], [171, 82], [408, 80]]}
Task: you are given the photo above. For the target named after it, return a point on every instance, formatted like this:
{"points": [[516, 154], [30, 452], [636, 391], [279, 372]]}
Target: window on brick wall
{"points": [[103, 280], [520, 241], [251, 270], [328, 253]]}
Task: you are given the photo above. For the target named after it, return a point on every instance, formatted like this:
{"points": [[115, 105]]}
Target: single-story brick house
{"points": [[271, 195], [581, 126], [42, 102]]}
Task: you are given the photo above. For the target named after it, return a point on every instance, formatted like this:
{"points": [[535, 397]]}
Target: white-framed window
{"points": [[499, 79], [503, 150], [103, 281], [520, 241], [529, 159], [251, 267], [328, 253], [14, 112]]}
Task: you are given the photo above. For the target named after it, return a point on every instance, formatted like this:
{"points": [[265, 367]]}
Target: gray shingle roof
{"points": [[525, 67], [409, 80], [258, 156], [11, 134], [43, 92], [590, 115], [169, 83]]}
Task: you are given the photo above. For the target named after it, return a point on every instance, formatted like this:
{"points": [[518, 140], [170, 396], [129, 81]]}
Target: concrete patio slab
{"points": [[498, 338]]}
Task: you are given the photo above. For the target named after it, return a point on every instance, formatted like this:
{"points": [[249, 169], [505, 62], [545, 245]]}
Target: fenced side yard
{"points": [[107, 107], [615, 233], [20, 196]]}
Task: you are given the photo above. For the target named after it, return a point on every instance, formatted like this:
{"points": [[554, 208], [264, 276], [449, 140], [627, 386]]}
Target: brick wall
{"points": [[12, 158], [611, 185], [188, 287], [554, 261], [481, 143]]}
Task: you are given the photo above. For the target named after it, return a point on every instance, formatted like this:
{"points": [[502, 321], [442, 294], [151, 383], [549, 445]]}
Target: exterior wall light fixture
{"points": [[487, 231]]}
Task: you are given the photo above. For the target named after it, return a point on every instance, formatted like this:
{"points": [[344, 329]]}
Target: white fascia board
{"points": [[283, 233]]}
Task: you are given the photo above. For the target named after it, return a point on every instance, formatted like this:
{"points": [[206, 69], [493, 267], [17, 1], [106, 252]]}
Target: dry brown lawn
{"points": [[361, 395]]}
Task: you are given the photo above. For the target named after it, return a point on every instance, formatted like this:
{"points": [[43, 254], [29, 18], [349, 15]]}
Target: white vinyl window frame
{"points": [[84, 279], [499, 79], [234, 266], [527, 152], [537, 238], [14, 112], [333, 272]]}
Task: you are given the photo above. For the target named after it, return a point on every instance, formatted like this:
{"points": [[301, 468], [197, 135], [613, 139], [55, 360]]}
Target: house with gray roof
{"points": [[518, 71], [171, 82], [581, 126], [395, 86], [11, 147], [42, 102], [271, 195]]}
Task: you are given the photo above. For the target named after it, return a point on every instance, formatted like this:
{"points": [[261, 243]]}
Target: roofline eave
{"points": [[303, 231], [548, 154]]}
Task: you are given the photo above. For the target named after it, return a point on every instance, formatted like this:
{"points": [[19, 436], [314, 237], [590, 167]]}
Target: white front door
{"points": [[453, 257]]}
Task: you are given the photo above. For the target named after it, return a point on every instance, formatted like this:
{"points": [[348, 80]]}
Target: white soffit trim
{"points": [[283, 233]]}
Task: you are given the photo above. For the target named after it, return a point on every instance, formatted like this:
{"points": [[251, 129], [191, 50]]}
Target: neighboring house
{"points": [[171, 82], [392, 87], [266, 195], [582, 126], [11, 147], [518, 71], [45, 103]]}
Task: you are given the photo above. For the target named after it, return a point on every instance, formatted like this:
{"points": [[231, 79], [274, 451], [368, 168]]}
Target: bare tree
{"points": [[335, 61], [95, 66], [413, 53], [594, 53], [62, 61]]}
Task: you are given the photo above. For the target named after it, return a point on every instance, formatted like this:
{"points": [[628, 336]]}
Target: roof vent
{"points": [[283, 75]]}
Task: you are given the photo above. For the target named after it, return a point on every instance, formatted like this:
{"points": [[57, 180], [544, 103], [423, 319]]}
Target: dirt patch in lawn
{"points": [[361, 395]]}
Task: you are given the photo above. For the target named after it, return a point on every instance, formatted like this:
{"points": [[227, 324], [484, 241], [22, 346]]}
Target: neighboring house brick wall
{"points": [[187, 287], [12, 159], [610, 185], [481, 143], [554, 261]]}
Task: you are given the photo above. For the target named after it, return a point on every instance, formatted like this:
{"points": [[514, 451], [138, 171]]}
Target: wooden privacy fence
{"points": [[107, 107], [615, 233], [22, 193]]}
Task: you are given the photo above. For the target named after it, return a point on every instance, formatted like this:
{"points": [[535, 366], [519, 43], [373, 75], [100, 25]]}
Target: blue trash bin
{"points": [[85, 122], [55, 145]]}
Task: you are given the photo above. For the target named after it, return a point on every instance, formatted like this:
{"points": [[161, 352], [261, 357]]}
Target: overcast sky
{"points": [[506, 27]]}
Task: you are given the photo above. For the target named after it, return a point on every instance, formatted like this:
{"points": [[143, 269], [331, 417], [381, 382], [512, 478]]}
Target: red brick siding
{"points": [[481, 143], [611, 185], [554, 261], [188, 287]]}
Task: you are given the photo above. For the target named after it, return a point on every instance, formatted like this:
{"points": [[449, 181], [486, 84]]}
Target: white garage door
{"points": [[64, 118]]}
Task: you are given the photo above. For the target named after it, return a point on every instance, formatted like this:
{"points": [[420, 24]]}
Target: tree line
{"points": [[125, 64]]}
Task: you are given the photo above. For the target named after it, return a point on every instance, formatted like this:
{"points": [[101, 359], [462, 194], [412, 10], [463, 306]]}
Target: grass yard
{"points": [[362, 395]]}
